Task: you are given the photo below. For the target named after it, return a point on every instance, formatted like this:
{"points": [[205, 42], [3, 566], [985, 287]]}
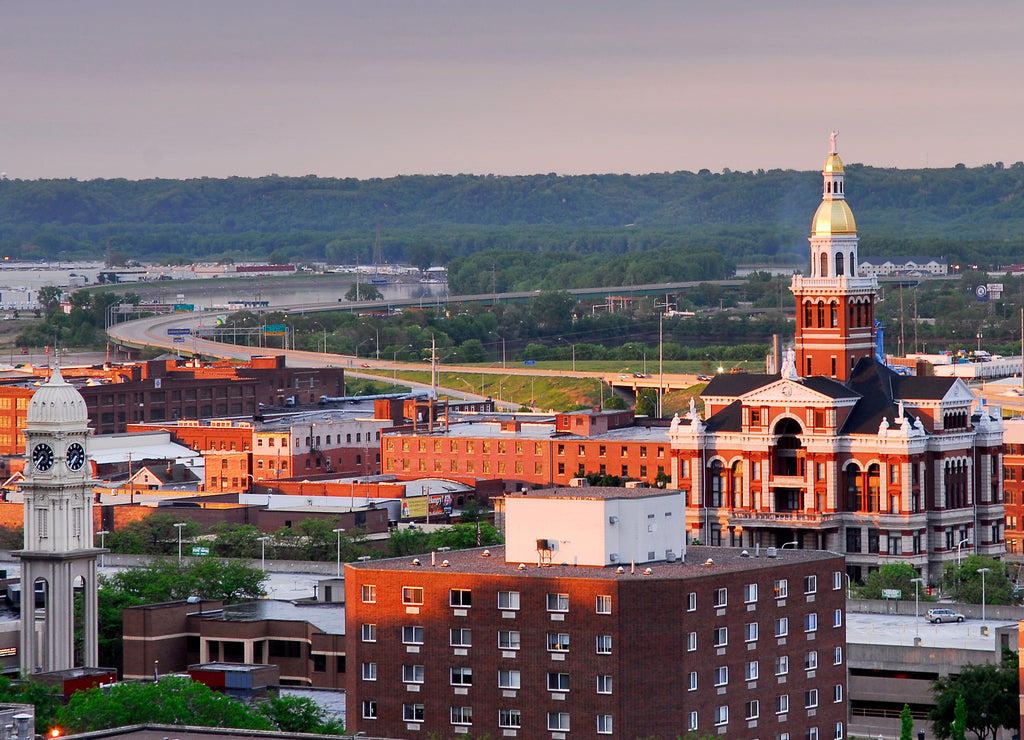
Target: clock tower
{"points": [[58, 563]]}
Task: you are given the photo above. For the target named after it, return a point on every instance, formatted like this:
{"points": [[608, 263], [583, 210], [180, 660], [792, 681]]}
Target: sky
{"points": [[376, 88]]}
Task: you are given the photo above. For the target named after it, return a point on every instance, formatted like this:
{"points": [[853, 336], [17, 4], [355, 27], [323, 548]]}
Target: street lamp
{"points": [[917, 614], [324, 330], [179, 526], [338, 532], [983, 571], [102, 533], [960, 544], [263, 553]]}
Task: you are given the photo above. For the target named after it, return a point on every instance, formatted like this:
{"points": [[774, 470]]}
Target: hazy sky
{"points": [[375, 88]]}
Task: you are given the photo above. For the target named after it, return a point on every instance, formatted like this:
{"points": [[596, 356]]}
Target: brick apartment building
{"points": [[1013, 484], [588, 623]]}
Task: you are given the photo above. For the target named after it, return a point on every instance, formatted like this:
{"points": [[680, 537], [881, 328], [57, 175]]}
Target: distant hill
{"points": [[963, 214]]}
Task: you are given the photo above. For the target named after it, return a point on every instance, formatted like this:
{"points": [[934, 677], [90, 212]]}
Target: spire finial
{"points": [[832, 140]]}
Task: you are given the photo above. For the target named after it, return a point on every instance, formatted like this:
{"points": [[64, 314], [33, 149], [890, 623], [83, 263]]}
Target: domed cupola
{"points": [[57, 403]]}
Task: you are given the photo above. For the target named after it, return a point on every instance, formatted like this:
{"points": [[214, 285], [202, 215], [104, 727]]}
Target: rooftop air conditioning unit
{"points": [[772, 552]]}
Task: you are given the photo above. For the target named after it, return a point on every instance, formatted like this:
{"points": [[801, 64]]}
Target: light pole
{"points": [[983, 571], [102, 533], [324, 330], [338, 532], [960, 544], [263, 553], [917, 614], [179, 526]]}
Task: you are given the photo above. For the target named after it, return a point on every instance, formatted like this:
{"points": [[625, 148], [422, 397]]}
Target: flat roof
{"points": [[723, 560], [896, 630], [596, 493]]}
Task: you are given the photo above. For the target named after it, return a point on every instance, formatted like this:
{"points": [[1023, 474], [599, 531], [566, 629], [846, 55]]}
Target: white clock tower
{"points": [[59, 551]]}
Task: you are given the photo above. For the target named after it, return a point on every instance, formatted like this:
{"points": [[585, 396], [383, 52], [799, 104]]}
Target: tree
{"points": [[154, 535], [893, 576], [366, 292], [208, 578], [420, 256], [906, 724], [964, 583], [48, 296], [44, 698], [989, 694], [299, 714]]}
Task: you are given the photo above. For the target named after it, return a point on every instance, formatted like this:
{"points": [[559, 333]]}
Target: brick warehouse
{"points": [[480, 642]]}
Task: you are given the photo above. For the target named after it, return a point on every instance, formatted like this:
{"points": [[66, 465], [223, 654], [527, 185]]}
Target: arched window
{"points": [[873, 488], [854, 489], [821, 314], [853, 265], [839, 264], [808, 314], [823, 272], [717, 482], [835, 315], [737, 485]]}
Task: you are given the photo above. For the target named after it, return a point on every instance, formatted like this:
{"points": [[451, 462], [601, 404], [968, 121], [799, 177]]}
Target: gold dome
{"points": [[833, 217], [833, 164]]}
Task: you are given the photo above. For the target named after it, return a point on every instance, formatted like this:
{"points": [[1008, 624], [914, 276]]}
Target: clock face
{"points": [[76, 456], [42, 457]]}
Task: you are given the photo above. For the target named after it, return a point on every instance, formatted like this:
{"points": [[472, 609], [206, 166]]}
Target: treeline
{"points": [[970, 215]]}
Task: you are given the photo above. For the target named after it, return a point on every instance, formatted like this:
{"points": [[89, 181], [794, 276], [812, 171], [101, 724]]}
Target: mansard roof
{"points": [[735, 385]]}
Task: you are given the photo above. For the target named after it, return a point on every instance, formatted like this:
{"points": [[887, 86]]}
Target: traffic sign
{"points": [[200, 551], [178, 339], [178, 332], [891, 593], [529, 362], [275, 329]]}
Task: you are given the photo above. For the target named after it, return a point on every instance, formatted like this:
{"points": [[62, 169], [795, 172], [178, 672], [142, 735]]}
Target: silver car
{"points": [[943, 615]]}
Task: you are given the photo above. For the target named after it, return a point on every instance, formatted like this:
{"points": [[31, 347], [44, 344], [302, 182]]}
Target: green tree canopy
{"points": [[366, 291], [964, 582], [893, 576], [989, 693]]}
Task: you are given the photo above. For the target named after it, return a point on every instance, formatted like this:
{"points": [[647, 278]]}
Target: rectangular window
{"points": [[782, 588], [461, 637], [752, 670], [462, 676], [837, 618], [369, 671], [810, 698], [782, 665], [558, 721], [369, 593], [508, 679], [412, 674], [604, 644], [508, 600], [558, 602], [691, 684], [412, 635], [558, 682], [837, 655], [811, 734], [462, 715], [604, 605], [837, 580], [838, 731], [460, 597], [412, 712], [722, 675], [604, 684], [558, 642], [810, 584], [721, 636], [691, 641], [508, 639], [837, 693], [721, 716], [604, 724], [750, 632], [782, 704], [781, 626], [811, 660], [691, 601], [721, 597], [510, 718], [412, 595], [753, 709], [811, 622], [750, 593], [691, 723], [369, 633]]}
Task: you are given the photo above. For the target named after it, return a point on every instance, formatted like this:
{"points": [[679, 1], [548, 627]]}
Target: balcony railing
{"points": [[808, 517]]}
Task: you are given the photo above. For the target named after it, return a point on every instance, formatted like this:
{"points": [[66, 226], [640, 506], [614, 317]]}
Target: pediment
{"points": [[959, 392], [786, 392]]}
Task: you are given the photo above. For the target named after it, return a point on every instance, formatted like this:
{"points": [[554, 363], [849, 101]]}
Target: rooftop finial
{"points": [[832, 140]]}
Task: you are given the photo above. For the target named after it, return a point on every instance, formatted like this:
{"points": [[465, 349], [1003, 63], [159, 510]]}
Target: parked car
{"points": [[704, 378], [943, 615]]}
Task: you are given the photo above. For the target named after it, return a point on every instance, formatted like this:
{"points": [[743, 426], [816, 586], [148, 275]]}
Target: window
{"points": [[781, 626], [461, 637], [412, 712], [752, 670], [837, 580], [508, 639], [369, 633], [558, 602], [721, 636], [412, 595], [782, 665], [691, 684], [837, 655], [838, 731], [558, 642], [691, 601], [691, 723], [510, 718], [811, 734], [412, 635], [558, 682], [811, 698], [369, 709], [722, 715], [508, 680], [781, 588], [722, 675], [369, 671], [750, 632], [721, 597], [604, 644], [837, 693], [604, 604], [811, 622], [750, 593], [691, 641], [837, 618], [604, 724], [810, 584], [753, 709], [462, 715], [508, 600], [412, 674], [460, 597], [462, 676], [558, 721], [811, 660], [782, 704], [369, 593], [604, 684]]}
